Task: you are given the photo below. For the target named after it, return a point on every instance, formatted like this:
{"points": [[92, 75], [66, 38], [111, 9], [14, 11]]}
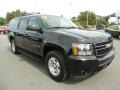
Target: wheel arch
{"points": [[50, 47], [11, 36]]}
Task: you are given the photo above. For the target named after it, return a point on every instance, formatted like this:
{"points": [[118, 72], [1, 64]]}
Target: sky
{"points": [[67, 8]]}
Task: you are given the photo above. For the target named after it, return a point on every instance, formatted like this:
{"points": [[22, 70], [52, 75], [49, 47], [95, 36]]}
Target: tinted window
{"points": [[14, 23], [33, 21], [23, 23]]}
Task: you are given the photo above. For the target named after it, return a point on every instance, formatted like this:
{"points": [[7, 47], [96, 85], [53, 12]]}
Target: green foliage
{"points": [[103, 20], [82, 18], [2, 21], [92, 19], [75, 20], [13, 14]]}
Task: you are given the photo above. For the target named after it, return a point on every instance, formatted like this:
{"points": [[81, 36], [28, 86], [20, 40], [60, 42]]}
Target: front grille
{"points": [[101, 50]]}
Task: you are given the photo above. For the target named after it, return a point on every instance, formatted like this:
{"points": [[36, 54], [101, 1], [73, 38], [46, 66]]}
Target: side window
{"points": [[34, 22], [23, 23], [14, 23]]}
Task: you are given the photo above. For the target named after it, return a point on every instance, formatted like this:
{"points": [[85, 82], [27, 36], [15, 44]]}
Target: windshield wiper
{"points": [[65, 27], [57, 27]]}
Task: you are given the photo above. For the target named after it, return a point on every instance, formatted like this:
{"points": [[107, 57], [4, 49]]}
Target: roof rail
{"points": [[33, 13]]}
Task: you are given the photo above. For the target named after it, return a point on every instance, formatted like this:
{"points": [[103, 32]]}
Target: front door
{"points": [[33, 37]]}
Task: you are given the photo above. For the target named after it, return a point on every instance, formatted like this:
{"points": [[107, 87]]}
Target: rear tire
{"points": [[55, 65], [14, 47], [118, 36]]}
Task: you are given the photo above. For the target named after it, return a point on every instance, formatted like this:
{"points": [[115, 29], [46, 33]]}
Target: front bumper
{"points": [[85, 65]]}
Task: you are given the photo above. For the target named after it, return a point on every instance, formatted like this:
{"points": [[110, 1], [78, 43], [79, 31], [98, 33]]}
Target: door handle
{"points": [[27, 36]]}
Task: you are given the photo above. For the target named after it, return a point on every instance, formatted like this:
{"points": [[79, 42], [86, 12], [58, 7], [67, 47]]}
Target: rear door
{"points": [[13, 29], [34, 38], [20, 34]]}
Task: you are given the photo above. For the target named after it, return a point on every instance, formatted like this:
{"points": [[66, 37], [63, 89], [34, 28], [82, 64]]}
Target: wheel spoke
{"points": [[54, 66]]}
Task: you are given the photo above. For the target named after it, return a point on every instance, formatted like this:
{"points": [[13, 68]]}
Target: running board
{"points": [[31, 55]]}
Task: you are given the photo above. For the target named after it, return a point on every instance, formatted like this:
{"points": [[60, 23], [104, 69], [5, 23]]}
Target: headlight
{"points": [[82, 49]]}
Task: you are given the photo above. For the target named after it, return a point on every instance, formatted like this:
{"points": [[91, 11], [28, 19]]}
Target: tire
{"points": [[118, 36], [55, 65], [14, 48]]}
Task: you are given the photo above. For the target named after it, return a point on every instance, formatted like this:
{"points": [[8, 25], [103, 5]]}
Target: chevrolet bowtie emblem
{"points": [[109, 45]]}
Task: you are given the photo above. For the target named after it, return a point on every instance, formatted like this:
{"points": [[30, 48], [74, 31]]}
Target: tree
{"points": [[106, 20], [13, 14], [92, 19], [82, 18], [75, 20], [2, 21], [103, 20]]}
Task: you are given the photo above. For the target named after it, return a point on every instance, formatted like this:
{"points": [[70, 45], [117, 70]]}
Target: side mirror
{"points": [[34, 28]]}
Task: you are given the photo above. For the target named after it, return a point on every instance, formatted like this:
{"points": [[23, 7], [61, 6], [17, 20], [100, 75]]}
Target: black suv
{"points": [[67, 50]]}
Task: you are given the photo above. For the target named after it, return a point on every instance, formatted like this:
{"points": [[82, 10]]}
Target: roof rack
{"points": [[33, 13]]}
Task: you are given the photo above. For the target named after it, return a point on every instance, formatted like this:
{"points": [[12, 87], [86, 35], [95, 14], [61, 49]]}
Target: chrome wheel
{"points": [[54, 66], [13, 46]]}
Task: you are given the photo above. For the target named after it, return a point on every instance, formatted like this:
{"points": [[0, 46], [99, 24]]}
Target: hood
{"points": [[86, 36]]}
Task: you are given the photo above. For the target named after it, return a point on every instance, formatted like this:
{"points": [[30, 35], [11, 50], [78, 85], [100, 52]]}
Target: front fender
{"points": [[58, 39]]}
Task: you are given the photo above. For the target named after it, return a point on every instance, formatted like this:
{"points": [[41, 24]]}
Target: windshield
{"points": [[57, 22]]}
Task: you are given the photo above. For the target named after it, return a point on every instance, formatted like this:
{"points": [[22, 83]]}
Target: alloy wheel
{"points": [[54, 66]]}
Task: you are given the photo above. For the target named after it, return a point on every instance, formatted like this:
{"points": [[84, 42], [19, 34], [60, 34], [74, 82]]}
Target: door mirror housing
{"points": [[34, 28]]}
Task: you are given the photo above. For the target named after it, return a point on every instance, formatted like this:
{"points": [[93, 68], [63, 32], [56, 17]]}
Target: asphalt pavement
{"points": [[20, 72]]}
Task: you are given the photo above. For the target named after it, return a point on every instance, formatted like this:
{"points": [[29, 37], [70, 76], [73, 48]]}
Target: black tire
{"points": [[63, 71], [14, 48], [118, 36]]}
